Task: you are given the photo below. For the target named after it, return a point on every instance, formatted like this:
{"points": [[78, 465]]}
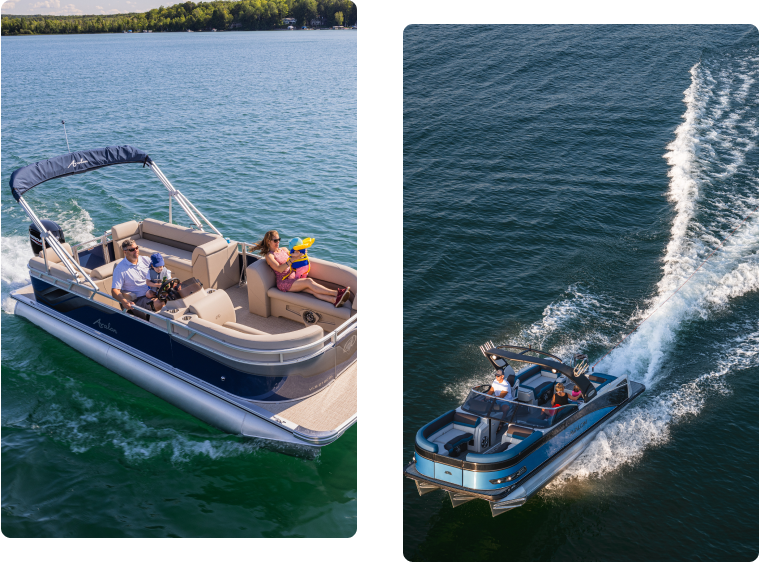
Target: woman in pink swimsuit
{"points": [[279, 260]]}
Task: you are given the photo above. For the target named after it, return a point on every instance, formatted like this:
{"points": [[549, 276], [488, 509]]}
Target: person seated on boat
{"points": [[279, 260], [561, 398], [576, 394], [157, 274], [500, 388], [130, 275]]}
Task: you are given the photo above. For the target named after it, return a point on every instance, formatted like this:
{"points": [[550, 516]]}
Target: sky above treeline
{"points": [[80, 7]]}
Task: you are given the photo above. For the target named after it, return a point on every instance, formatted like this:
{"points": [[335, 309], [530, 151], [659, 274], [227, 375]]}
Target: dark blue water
{"points": [[258, 130], [560, 183]]}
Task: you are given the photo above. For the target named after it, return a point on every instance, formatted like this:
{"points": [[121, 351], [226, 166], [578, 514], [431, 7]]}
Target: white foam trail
{"points": [[715, 129], [15, 255], [77, 226], [86, 424], [710, 145], [649, 425]]}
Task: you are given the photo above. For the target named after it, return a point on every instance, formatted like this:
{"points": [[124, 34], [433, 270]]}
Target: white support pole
{"points": [[174, 192], [68, 262], [185, 203], [170, 221], [201, 214]]}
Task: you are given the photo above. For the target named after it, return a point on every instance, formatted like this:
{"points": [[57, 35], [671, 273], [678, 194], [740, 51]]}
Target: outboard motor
{"points": [[36, 239]]}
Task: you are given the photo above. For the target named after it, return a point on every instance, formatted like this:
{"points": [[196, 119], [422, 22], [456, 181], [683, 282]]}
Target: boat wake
{"points": [[16, 251], [707, 154]]}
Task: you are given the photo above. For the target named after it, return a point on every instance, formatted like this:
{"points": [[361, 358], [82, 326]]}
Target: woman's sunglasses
{"points": [[275, 239]]}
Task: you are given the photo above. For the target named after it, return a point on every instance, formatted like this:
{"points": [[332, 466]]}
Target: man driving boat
{"points": [[501, 388], [130, 275]]}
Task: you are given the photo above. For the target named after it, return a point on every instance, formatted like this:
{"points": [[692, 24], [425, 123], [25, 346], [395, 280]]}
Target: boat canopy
{"points": [[28, 177], [586, 387]]}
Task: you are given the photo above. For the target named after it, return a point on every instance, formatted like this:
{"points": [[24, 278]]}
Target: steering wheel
{"points": [[168, 290]]}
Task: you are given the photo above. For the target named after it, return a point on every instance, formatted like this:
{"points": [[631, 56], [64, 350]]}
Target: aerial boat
{"points": [[505, 451], [231, 349]]}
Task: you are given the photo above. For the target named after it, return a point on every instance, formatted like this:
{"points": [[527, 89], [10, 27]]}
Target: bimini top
{"points": [[24, 179], [586, 387]]}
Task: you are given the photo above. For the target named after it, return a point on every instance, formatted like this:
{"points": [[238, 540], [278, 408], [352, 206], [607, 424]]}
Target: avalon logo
{"points": [[350, 343], [75, 163], [102, 326]]}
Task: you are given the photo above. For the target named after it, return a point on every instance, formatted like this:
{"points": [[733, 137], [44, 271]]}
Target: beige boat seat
{"points": [[186, 252], [104, 271], [264, 299], [57, 269], [288, 340], [215, 307]]}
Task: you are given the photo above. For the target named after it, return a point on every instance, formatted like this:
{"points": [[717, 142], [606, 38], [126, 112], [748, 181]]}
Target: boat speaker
{"points": [[310, 317], [36, 240]]}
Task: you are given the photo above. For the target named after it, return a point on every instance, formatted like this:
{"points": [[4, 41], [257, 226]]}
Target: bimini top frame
{"points": [[28, 177], [493, 353]]}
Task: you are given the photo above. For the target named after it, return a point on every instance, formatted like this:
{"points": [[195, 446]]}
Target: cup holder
{"points": [[209, 291], [172, 310], [187, 318]]}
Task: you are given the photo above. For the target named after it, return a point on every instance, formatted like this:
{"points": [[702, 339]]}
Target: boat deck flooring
{"points": [[324, 411], [270, 325], [27, 291]]}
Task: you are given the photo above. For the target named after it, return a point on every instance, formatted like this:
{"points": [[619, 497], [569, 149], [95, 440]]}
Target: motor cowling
{"points": [[36, 240]]}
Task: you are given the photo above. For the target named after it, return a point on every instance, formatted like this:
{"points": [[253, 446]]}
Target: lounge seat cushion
{"points": [[174, 235], [261, 287], [457, 440], [120, 232], [288, 340], [171, 255], [544, 392], [215, 264], [104, 271], [518, 433], [52, 257], [462, 418], [309, 301], [244, 329], [56, 269], [336, 273]]}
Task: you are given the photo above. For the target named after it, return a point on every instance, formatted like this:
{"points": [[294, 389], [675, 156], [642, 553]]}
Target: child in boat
{"points": [[157, 274], [299, 257], [576, 393]]}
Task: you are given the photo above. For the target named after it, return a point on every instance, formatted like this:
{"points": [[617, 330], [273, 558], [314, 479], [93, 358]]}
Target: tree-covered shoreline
{"points": [[243, 15]]}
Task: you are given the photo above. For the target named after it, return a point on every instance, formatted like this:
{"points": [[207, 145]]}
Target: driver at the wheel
{"points": [[157, 274], [130, 275]]}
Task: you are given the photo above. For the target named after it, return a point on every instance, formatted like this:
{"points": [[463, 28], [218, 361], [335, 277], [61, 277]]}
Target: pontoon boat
{"points": [[239, 354], [504, 451]]}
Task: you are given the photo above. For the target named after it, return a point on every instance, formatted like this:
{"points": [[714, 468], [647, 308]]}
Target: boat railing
{"points": [[242, 247], [101, 240], [172, 324]]}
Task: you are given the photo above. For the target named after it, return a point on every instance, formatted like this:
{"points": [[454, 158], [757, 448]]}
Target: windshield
{"points": [[486, 406]]}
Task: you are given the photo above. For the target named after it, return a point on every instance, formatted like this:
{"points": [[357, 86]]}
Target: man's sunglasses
{"points": [[131, 249]]}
